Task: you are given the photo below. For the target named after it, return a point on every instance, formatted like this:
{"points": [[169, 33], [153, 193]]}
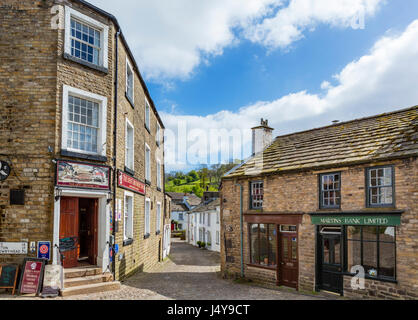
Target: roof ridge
{"points": [[349, 121]]}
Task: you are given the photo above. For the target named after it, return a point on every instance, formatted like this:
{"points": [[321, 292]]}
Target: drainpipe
{"points": [[115, 126], [242, 229]]}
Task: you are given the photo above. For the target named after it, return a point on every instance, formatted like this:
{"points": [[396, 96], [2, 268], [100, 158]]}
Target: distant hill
{"points": [[197, 181]]}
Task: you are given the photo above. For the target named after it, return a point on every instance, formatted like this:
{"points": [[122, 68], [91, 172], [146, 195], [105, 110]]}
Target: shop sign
{"points": [[44, 250], [82, 175], [130, 183], [13, 248], [357, 220]]}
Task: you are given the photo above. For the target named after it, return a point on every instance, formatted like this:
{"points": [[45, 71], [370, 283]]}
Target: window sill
{"points": [[158, 144], [128, 242], [373, 278], [148, 182], [273, 268], [85, 63], [146, 127], [130, 100], [158, 233], [147, 236], [158, 189], [84, 156], [129, 171]]}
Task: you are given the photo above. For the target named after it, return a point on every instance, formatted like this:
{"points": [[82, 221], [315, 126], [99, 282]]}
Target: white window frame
{"points": [[101, 134], [147, 163], [128, 233], [104, 34], [158, 173], [147, 220], [147, 114], [132, 147], [158, 225], [129, 67]]}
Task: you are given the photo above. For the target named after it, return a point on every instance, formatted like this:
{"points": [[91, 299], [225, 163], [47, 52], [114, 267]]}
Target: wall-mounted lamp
{"points": [[109, 197], [58, 193]]}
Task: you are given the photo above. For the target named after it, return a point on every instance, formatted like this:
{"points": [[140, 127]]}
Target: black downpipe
{"points": [[115, 126]]}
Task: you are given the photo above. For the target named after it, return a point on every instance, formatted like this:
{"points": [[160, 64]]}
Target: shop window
{"points": [[374, 248], [330, 194], [263, 244], [380, 187], [257, 195]]}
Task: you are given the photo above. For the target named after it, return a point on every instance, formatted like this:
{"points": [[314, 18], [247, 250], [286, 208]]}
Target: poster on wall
{"points": [[82, 175]]}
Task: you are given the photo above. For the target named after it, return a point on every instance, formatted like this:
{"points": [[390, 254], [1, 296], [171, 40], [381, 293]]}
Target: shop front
{"points": [[273, 245], [81, 215], [357, 245]]}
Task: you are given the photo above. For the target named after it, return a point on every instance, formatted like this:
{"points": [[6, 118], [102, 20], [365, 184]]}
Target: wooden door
{"points": [[92, 214], [69, 228], [289, 264]]}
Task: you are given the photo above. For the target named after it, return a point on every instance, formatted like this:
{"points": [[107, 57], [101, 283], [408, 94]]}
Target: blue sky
{"points": [[248, 73], [224, 64]]}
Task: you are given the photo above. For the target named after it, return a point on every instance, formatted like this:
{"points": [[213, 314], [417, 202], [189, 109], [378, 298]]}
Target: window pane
{"points": [[354, 233], [370, 257], [353, 254], [387, 259], [272, 244], [285, 247], [337, 251], [255, 254], [326, 251], [294, 248], [263, 245], [370, 233]]}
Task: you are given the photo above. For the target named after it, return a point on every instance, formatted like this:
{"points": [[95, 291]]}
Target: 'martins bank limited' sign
{"points": [[357, 220]]}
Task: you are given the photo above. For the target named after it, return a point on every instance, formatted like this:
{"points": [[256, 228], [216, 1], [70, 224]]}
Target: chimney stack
{"points": [[262, 136]]}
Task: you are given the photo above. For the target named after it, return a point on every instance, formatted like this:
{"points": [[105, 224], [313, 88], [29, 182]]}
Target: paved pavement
{"points": [[189, 274]]}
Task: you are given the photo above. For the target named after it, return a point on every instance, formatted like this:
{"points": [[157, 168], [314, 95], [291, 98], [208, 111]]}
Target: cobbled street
{"points": [[189, 274]]}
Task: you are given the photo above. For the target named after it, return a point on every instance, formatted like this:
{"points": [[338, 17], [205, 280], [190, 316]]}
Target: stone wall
{"points": [[28, 80]]}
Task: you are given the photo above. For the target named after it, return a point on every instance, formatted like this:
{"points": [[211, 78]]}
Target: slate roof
{"points": [[177, 203], [211, 205], [386, 136]]}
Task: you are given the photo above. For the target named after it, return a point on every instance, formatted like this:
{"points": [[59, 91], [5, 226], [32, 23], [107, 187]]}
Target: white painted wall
{"points": [[183, 222], [195, 224]]}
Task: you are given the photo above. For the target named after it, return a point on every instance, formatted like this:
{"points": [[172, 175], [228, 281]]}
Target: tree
{"points": [[193, 174]]}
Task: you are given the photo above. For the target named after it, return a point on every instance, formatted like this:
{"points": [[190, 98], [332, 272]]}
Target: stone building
{"points": [[312, 209], [83, 139], [182, 203]]}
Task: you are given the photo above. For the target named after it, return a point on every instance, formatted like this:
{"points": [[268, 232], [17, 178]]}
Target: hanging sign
{"points": [[32, 276], [4, 170], [82, 175], [130, 183], [383, 220]]}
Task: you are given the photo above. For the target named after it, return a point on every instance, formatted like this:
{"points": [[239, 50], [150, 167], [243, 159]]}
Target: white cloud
{"points": [[289, 23], [383, 80], [170, 39]]}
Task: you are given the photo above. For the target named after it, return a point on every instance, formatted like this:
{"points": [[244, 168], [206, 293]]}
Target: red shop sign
{"points": [[32, 276], [127, 182]]}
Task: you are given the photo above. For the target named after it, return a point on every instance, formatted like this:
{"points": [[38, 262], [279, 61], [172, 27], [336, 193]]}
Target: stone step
{"points": [[81, 281], [81, 272], [91, 288]]}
